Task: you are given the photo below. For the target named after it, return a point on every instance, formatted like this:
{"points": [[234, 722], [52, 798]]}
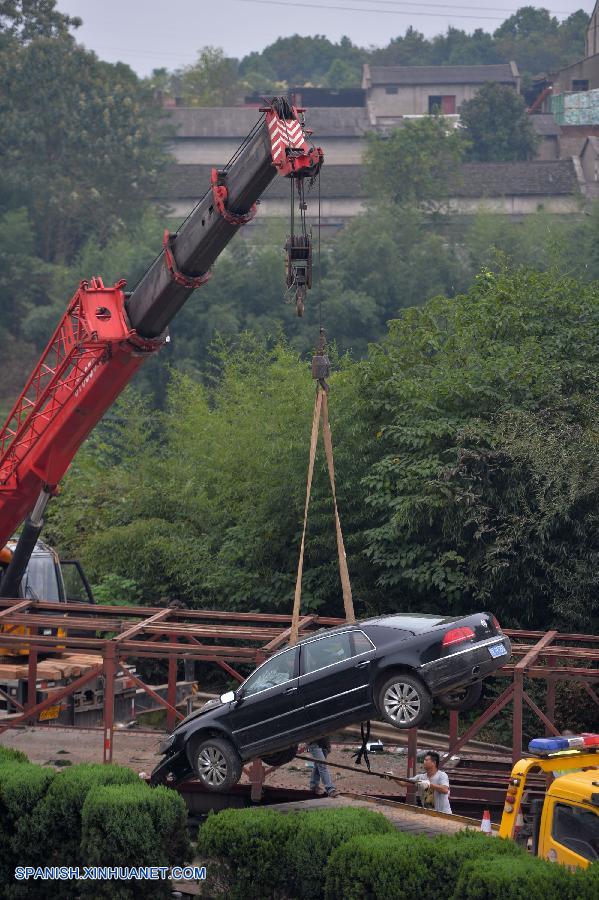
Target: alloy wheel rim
{"points": [[212, 766], [402, 702]]}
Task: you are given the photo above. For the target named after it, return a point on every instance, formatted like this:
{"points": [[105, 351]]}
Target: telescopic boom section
{"points": [[105, 334]]}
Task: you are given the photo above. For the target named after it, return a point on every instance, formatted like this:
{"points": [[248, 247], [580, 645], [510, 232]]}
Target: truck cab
{"points": [[46, 578], [49, 578], [563, 826]]}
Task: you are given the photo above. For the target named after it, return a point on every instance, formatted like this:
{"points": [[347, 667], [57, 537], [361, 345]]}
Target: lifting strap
{"points": [[321, 411]]}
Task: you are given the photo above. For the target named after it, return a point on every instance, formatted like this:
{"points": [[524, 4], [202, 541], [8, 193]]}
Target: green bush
{"points": [[7, 754], [22, 787], [317, 834], [56, 824], [448, 853], [252, 842], [406, 865], [522, 879], [132, 825], [382, 867]]}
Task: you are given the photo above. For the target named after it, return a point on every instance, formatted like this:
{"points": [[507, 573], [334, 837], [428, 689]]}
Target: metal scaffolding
{"points": [[118, 635]]}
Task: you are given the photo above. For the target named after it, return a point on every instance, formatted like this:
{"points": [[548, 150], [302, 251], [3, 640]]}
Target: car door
{"points": [[268, 710], [334, 678]]}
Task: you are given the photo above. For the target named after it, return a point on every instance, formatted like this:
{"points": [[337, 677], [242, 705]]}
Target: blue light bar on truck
{"points": [[557, 744]]}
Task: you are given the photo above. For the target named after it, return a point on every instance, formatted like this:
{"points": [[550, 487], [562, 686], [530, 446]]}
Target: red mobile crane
{"points": [[106, 333]]}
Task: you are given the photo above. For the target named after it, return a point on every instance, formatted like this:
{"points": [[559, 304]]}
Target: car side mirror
{"points": [[228, 697]]}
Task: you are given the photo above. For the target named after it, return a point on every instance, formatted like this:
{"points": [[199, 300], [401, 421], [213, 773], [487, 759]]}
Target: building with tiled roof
{"points": [[396, 91], [516, 188]]}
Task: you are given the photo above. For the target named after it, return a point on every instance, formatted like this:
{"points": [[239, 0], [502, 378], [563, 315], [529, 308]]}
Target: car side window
{"points": [[577, 829], [274, 672], [362, 644], [325, 652]]}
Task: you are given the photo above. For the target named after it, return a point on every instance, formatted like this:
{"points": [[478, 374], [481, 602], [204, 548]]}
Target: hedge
{"points": [[527, 878], [389, 866], [271, 854], [56, 823], [132, 825], [7, 754], [23, 786], [253, 842], [402, 865], [317, 835]]}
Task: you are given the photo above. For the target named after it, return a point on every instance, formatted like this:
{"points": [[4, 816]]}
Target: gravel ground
{"points": [[56, 746]]}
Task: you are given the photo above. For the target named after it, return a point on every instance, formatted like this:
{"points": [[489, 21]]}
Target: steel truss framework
{"points": [[123, 634]]}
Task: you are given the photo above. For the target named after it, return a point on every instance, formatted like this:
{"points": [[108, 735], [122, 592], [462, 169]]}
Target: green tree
{"points": [[78, 144], [538, 42], [29, 19], [343, 74], [211, 81], [412, 164], [486, 487], [497, 125], [299, 60]]}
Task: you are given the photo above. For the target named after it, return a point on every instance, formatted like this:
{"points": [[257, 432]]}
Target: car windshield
{"points": [[272, 673]]}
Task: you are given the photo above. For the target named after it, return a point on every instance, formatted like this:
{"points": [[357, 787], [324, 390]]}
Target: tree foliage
{"points": [[467, 474], [25, 20], [77, 144], [497, 125], [413, 163], [211, 81]]}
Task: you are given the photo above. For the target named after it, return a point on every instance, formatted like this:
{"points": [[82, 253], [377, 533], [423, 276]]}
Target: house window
{"points": [[445, 105], [580, 84], [391, 89]]}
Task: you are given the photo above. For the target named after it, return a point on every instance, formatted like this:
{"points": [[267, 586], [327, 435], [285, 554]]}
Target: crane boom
{"points": [[106, 334]]}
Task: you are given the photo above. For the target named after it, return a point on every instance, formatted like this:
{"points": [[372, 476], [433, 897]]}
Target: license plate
{"points": [[51, 713], [497, 650]]}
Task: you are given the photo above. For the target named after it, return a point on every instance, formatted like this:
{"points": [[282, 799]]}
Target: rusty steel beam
{"points": [[146, 687], [32, 671], [533, 653], [109, 668], [540, 715], [54, 698], [284, 636], [482, 720], [144, 612], [17, 607], [590, 692], [141, 626], [11, 700], [563, 673]]}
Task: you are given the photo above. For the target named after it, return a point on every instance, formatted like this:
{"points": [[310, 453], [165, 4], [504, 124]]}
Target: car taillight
{"points": [[456, 636], [495, 621]]}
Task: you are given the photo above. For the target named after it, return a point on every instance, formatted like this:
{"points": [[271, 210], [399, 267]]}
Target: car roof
{"points": [[414, 622]]}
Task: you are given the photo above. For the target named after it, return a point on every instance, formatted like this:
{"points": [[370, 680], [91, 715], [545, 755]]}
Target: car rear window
{"points": [[413, 622]]}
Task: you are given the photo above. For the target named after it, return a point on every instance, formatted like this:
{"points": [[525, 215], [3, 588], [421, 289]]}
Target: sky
{"points": [[150, 34]]}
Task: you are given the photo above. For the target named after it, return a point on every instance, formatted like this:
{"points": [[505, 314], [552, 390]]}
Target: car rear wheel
{"points": [[463, 698], [281, 758], [217, 764], [404, 701]]}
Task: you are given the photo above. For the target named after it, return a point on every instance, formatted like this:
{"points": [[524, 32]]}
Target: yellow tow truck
{"points": [[563, 826]]}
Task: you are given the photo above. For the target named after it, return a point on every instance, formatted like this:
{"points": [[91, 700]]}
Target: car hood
{"points": [[208, 707]]}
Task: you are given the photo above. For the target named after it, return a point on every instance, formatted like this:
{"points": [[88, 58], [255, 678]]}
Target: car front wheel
{"points": [[404, 701], [217, 764]]}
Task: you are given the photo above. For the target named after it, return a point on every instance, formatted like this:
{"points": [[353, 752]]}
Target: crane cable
{"points": [[321, 414]]}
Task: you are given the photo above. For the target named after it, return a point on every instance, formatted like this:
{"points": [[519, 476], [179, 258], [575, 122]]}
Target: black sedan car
{"points": [[388, 668]]}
